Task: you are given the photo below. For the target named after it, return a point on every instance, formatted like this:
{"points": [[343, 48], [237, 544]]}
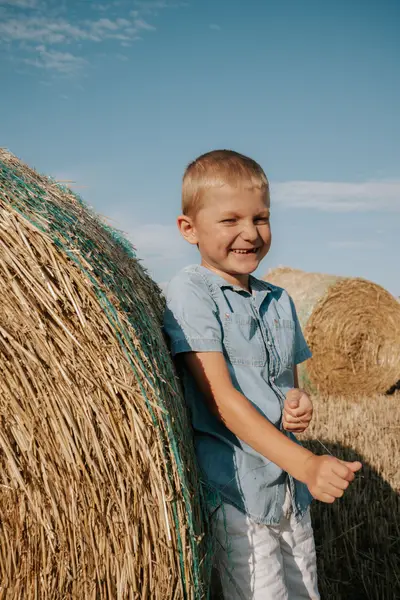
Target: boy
{"points": [[238, 341]]}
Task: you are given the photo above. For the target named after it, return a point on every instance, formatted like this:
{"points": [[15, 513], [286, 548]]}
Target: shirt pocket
{"points": [[284, 339], [243, 340]]}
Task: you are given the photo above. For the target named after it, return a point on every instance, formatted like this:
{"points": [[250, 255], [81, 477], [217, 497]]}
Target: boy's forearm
{"points": [[240, 417]]}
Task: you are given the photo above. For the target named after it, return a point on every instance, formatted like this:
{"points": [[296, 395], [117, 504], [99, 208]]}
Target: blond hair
{"points": [[215, 169]]}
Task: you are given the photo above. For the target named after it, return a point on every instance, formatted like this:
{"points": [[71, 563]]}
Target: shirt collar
{"points": [[258, 286]]}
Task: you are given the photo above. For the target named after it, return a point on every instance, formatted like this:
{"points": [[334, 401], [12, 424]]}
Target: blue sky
{"points": [[119, 96]]}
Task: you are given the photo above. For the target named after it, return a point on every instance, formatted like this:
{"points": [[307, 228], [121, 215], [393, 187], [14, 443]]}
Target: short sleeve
{"points": [[301, 350], [191, 319]]}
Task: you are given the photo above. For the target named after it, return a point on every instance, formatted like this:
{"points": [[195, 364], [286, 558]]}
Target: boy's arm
{"points": [[325, 476]]}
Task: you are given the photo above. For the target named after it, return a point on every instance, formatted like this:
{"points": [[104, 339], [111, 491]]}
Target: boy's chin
{"points": [[246, 268], [248, 271]]}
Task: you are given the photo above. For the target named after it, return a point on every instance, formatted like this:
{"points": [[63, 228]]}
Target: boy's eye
{"points": [[262, 220], [228, 221]]}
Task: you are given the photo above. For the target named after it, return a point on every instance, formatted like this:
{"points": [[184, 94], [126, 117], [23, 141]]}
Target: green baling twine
{"points": [[68, 234]]}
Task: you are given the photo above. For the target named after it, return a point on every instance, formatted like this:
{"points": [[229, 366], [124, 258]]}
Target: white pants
{"points": [[265, 562]]}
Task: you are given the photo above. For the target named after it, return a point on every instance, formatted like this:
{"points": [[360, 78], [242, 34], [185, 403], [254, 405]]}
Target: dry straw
{"points": [[99, 493], [358, 537], [352, 327]]}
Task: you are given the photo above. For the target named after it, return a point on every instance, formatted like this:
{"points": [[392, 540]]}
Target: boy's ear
{"points": [[187, 228]]}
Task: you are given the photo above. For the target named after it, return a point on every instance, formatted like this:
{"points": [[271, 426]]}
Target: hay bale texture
{"points": [[98, 486], [352, 327]]}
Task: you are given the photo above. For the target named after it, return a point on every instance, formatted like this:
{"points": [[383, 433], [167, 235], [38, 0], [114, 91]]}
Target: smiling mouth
{"points": [[250, 251]]}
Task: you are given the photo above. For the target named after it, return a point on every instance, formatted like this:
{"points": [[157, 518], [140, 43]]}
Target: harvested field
{"points": [[358, 537], [352, 327]]}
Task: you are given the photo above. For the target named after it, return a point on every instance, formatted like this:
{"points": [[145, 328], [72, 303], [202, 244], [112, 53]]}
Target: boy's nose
{"points": [[250, 233]]}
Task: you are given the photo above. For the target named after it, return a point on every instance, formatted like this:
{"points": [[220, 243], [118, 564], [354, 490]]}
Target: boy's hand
{"points": [[327, 477], [297, 411]]}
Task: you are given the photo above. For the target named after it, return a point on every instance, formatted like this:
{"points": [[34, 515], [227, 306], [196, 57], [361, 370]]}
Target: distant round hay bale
{"points": [[99, 495], [352, 327]]}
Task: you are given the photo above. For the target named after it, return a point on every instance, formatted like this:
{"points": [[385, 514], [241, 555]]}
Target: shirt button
{"points": [[269, 343], [272, 379]]}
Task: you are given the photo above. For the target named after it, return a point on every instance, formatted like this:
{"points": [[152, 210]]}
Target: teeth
{"points": [[245, 251]]}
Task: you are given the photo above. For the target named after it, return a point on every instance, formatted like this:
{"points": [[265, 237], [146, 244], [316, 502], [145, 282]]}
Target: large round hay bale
{"points": [[352, 327], [99, 492]]}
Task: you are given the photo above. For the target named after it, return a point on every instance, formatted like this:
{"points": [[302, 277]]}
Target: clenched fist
{"points": [[327, 477], [297, 411]]}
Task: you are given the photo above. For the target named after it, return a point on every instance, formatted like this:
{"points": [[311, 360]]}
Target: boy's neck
{"points": [[239, 280]]}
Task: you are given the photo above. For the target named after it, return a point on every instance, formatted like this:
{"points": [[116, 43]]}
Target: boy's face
{"points": [[231, 229]]}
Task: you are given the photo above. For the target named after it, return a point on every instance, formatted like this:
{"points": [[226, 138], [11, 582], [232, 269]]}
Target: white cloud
{"points": [[104, 24], [161, 247], [123, 22], [153, 6], [100, 7], [63, 62], [163, 285], [354, 244], [66, 39], [335, 196], [215, 27], [142, 24], [156, 242], [45, 30], [56, 31], [20, 3]]}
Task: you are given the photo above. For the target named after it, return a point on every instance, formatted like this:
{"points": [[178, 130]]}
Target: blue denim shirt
{"points": [[261, 340]]}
